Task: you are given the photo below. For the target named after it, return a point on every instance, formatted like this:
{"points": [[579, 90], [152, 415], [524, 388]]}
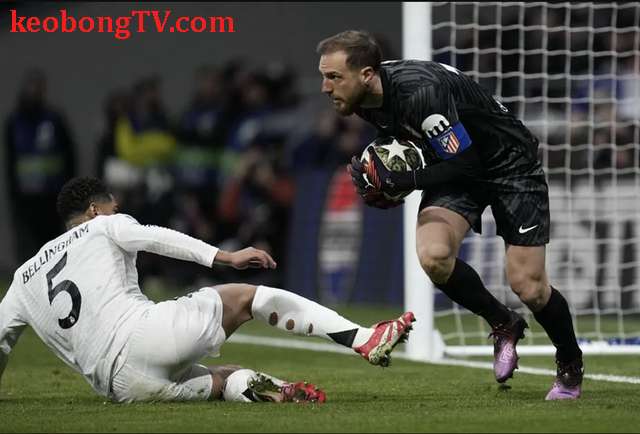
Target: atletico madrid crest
{"points": [[450, 142]]}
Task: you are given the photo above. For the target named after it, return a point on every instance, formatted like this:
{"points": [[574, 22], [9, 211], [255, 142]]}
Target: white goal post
{"points": [[571, 72], [425, 342]]}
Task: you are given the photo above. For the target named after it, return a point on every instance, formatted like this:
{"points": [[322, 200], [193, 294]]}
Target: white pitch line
{"points": [[299, 344], [536, 371]]}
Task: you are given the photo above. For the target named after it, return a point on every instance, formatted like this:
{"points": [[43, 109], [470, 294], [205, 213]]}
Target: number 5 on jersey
{"points": [[64, 286]]}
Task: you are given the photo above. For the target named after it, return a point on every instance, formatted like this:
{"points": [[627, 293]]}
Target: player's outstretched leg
{"points": [[293, 313], [246, 385]]}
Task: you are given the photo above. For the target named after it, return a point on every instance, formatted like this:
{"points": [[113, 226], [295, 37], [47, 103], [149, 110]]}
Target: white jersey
{"points": [[80, 292]]}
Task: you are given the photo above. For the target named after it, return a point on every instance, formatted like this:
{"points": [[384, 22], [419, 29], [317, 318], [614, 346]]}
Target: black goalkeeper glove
{"points": [[372, 196], [387, 181]]}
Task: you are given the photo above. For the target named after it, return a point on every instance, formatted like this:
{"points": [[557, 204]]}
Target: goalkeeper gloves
{"points": [[386, 180], [371, 195]]}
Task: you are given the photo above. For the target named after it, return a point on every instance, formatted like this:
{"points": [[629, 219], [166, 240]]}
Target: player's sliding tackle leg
{"points": [[295, 314]]}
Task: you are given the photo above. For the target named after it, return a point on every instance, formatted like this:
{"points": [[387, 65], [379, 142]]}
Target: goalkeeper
{"points": [[478, 155]]}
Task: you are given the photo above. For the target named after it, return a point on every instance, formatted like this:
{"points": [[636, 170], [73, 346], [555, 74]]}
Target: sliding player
{"points": [[80, 294]]}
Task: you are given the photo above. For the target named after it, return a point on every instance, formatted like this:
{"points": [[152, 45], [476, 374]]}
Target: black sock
{"points": [[555, 319], [466, 288], [344, 338]]}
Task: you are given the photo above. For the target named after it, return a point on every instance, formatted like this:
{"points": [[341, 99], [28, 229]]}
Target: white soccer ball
{"points": [[397, 155]]}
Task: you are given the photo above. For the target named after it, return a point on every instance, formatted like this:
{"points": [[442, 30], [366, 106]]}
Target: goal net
{"points": [[571, 72]]}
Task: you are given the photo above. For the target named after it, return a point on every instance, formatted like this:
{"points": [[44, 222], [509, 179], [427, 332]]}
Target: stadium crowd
{"points": [[224, 170], [579, 90]]}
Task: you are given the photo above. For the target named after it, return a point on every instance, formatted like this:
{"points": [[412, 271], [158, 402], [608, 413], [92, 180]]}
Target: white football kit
{"points": [[80, 294]]}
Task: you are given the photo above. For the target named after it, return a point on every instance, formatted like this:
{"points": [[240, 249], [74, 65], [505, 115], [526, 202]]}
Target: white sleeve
{"points": [[11, 326], [131, 236]]}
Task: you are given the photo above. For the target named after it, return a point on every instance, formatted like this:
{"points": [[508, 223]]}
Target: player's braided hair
{"points": [[361, 48], [77, 194]]}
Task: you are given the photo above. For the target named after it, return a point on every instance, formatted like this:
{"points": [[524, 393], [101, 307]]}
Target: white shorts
{"points": [[158, 362]]}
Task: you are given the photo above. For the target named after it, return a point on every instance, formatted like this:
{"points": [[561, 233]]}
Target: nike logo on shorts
{"points": [[524, 231]]}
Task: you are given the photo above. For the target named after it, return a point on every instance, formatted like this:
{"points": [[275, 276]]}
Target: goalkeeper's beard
{"points": [[356, 101]]}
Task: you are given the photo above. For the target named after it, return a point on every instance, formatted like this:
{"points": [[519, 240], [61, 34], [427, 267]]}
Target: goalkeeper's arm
{"points": [[463, 168]]}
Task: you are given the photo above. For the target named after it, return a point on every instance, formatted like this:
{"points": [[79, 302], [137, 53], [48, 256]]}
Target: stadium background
{"points": [[260, 158], [295, 140], [265, 75]]}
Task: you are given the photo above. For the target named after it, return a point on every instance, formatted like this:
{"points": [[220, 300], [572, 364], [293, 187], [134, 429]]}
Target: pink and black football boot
{"points": [[505, 338], [568, 384]]}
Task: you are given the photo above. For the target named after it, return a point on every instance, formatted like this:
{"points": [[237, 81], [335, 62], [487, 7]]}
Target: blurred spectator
{"points": [[115, 107], [258, 95], [144, 137], [125, 179], [254, 204], [40, 158], [198, 157], [254, 104], [282, 85], [256, 185], [332, 142], [201, 120], [226, 172], [145, 146], [144, 141], [317, 148]]}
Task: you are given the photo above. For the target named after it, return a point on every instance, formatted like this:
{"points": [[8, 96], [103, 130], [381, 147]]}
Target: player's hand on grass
{"points": [[371, 195], [249, 257]]}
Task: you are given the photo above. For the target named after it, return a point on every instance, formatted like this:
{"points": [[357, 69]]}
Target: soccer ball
{"points": [[397, 155]]}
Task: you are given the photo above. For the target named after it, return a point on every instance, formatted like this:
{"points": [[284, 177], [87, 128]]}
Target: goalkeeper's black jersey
{"points": [[445, 112]]}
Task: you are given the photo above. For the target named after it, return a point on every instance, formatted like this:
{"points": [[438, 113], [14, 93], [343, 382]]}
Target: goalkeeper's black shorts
{"points": [[519, 202]]}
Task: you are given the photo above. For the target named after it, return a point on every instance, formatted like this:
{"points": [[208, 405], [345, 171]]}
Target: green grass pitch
{"points": [[40, 394]]}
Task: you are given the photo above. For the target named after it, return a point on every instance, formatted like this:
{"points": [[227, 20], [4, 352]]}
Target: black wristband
{"points": [[403, 181]]}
